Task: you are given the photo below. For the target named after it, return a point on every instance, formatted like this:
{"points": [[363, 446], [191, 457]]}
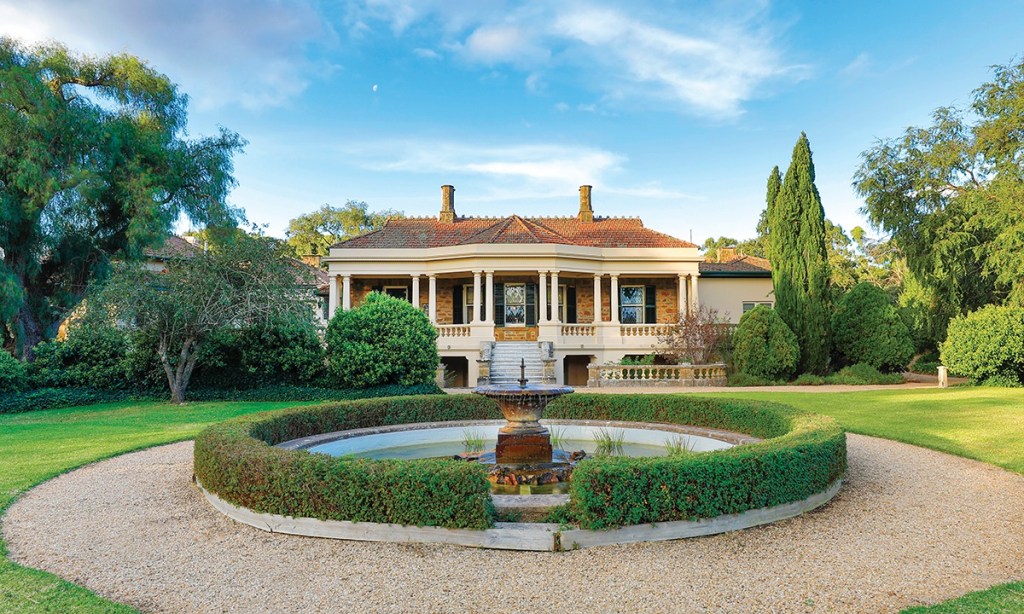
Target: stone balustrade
{"points": [[578, 330], [645, 330], [608, 376], [453, 330]]}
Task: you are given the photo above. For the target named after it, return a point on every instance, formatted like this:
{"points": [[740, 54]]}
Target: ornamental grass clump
{"points": [[383, 341]]}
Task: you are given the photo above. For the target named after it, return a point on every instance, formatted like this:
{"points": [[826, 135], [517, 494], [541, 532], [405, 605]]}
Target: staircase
{"points": [[506, 358]]}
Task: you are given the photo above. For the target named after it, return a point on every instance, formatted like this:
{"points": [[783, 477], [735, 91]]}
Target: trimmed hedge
{"points": [[236, 460], [802, 455], [57, 398], [987, 345]]}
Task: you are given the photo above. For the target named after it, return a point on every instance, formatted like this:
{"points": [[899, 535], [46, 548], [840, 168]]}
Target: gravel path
{"points": [[910, 526]]}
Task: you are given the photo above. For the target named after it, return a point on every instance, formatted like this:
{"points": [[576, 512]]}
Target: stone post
{"points": [[943, 377], [432, 298], [615, 300], [346, 292], [555, 316], [542, 300], [416, 291]]}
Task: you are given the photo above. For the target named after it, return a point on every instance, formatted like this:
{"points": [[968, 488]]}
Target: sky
{"points": [[674, 111]]}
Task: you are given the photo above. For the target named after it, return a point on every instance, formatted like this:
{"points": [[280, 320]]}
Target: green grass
{"points": [[986, 424], [37, 446]]}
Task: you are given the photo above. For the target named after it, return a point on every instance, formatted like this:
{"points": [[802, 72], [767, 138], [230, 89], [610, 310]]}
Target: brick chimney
{"points": [[447, 205], [586, 210]]}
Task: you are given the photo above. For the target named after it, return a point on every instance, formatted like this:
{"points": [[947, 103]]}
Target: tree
{"points": [[383, 341], [763, 346], [867, 328], [314, 233], [712, 245], [246, 282], [950, 195], [93, 167], [800, 270], [696, 338]]}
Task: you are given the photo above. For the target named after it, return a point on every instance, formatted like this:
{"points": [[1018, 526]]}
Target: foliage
{"points": [[741, 379], [56, 398], [234, 461], [763, 346], [267, 354], [696, 338], [867, 328], [94, 355], [949, 195], [802, 455], [383, 341], [244, 283], [314, 233], [923, 312], [13, 374], [644, 359], [862, 374], [987, 344], [800, 270], [94, 165], [712, 245]]}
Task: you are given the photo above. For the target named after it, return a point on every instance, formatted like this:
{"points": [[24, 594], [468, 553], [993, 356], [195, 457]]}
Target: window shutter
{"points": [[570, 304], [499, 304], [457, 304], [650, 305], [531, 304]]}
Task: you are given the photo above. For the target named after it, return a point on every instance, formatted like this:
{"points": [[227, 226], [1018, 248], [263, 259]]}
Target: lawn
{"points": [[986, 424]]}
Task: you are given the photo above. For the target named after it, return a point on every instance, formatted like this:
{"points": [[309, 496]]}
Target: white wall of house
{"points": [[728, 294]]}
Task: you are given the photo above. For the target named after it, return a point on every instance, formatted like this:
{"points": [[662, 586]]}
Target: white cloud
{"points": [[426, 54], [704, 61], [247, 52]]}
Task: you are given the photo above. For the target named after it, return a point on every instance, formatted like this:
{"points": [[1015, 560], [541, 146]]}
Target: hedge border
{"points": [[803, 454]]}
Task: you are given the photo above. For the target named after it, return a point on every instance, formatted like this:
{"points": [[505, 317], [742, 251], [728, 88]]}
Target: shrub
{"points": [[236, 461], [745, 379], [862, 374], [802, 454], [987, 345], [810, 379], [93, 356], [867, 328], [13, 373], [286, 353], [764, 346], [383, 341], [697, 337]]}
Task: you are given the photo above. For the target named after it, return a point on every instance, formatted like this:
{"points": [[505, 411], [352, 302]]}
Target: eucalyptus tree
{"points": [[95, 165]]}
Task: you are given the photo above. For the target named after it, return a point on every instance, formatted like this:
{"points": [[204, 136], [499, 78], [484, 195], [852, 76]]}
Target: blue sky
{"points": [[674, 111]]}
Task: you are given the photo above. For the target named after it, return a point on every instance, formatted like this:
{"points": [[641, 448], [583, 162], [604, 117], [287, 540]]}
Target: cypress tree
{"points": [[764, 223], [800, 271]]}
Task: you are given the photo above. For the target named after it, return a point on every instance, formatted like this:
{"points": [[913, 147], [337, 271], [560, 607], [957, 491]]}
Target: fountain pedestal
{"points": [[523, 448]]}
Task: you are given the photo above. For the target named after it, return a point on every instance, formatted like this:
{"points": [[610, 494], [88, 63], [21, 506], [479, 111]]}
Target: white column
{"points": [[597, 299], [543, 299], [416, 291], [615, 299], [555, 316], [432, 298], [476, 298], [489, 298], [681, 308], [346, 292], [332, 301], [694, 298]]}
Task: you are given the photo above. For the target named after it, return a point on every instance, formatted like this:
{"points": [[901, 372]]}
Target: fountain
{"points": [[524, 453]]}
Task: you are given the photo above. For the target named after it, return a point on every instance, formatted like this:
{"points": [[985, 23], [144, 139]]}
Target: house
{"points": [[556, 292]]}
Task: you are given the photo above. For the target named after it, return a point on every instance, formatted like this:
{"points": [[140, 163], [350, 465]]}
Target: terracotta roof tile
{"points": [[419, 233], [738, 264], [172, 247]]}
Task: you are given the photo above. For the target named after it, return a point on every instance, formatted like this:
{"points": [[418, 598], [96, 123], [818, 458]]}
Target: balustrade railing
{"points": [[645, 330], [453, 330], [578, 330], [605, 376]]}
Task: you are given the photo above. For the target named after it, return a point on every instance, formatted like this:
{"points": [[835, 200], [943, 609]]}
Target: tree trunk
{"points": [[27, 332], [177, 378]]}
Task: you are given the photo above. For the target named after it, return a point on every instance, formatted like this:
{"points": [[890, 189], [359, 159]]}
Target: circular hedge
{"points": [[802, 454]]}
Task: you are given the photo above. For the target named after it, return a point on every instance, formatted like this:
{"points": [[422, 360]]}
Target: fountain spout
{"points": [[522, 373]]}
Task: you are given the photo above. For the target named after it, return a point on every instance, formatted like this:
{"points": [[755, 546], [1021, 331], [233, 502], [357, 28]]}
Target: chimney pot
{"points": [[586, 214], [447, 204]]}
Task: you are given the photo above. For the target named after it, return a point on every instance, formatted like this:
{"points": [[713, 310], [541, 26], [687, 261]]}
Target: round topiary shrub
{"points": [[987, 345], [383, 341], [13, 374], [867, 329], [763, 346]]}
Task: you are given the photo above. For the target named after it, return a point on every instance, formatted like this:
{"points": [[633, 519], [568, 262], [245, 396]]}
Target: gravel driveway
{"points": [[910, 526]]}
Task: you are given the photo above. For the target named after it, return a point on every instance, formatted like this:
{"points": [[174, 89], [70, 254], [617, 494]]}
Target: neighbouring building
{"points": [[581, 289]]}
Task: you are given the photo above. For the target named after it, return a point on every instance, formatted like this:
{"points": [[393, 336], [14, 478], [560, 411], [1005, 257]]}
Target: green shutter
{"points": [[650, 305], [531, 304], [570, 304], [457, 304], [499, 304]]}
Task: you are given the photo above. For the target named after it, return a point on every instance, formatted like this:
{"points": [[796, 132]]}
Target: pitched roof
{"points": [[172, 247], [420, 233], [737, 265]]}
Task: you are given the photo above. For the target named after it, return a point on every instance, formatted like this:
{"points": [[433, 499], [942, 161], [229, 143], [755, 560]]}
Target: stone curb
{"points": [[519, 536]]}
